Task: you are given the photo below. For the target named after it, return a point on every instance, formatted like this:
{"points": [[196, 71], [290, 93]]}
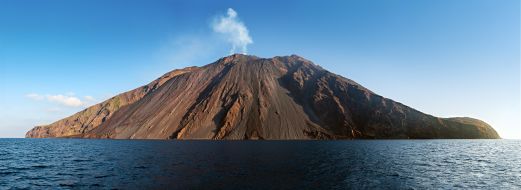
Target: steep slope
{"points": [[93, 116], [246, 97]]}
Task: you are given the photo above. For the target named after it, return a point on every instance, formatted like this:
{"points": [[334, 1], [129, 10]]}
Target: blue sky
{"points": [[444, 57]]}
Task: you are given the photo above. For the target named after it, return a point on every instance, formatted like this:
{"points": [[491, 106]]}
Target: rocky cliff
{"points": [[246, 97]]}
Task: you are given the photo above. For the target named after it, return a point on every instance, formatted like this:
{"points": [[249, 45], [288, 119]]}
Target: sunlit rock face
{"points": [[247, 97]]}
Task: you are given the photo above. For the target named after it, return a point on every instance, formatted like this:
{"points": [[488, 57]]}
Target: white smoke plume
{"points": [[234, 31]]}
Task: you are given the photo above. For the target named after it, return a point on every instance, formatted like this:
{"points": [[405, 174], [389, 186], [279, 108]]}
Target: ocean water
{"points": [[356, 164]]}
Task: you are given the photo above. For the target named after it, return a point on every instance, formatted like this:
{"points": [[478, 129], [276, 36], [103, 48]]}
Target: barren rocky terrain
{"points": [[247, 97]]}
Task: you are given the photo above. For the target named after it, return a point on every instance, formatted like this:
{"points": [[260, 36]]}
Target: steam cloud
{"points": [[234, 31]]}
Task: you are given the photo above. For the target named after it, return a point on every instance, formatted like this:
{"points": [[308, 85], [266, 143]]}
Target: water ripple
{"points": [[381, 164]]}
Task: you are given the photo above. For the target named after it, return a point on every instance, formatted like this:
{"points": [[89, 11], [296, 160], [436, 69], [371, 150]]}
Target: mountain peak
{"points": [[239, 56]]}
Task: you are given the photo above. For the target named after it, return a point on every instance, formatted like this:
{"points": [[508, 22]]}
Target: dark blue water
{"points": [[360, 164]]}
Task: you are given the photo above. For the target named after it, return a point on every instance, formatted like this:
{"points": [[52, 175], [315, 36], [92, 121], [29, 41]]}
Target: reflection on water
{"points": [[137, 164]]}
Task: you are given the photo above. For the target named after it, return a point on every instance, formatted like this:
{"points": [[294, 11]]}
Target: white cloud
{"points": [[233, 30], [66, 100]]}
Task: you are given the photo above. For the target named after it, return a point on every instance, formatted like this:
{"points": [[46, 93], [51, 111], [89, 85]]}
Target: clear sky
{"points": [[443, 57]]}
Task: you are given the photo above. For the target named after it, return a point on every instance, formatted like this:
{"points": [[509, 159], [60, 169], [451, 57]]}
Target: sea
{"points": [[199, 164]]}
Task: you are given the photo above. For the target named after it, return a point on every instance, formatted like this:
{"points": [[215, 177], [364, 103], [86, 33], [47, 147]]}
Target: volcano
{"points": [[247, 97]]}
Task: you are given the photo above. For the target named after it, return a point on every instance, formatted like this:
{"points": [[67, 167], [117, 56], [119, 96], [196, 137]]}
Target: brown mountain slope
{"points": [[246, 97]]}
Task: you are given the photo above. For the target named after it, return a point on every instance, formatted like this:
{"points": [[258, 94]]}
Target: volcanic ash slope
{"points": [[246, 97]]}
